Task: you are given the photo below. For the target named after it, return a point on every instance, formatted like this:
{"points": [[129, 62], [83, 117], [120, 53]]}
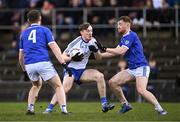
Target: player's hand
{"points": [[26, 77], [67, 69], [93, 48], [101, 47], [77, 57]]}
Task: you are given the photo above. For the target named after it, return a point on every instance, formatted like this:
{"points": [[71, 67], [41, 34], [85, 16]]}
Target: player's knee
{"points": [[112, 83], [99, 77], [37, 84], [141, 91], [57, 85], [66, 89]]}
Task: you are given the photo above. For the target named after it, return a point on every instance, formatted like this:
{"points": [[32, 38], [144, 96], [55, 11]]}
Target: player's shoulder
{"points": [[77, 39], [133, 34], [130, 35], [93, 39], [43, 28]]}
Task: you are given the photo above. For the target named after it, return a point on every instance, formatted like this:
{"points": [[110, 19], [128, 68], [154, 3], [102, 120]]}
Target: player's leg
{"points": [[67, 84], [141, 85], [115, 84], [55, 82], [90, 75], [33, 94], [36, 86]]}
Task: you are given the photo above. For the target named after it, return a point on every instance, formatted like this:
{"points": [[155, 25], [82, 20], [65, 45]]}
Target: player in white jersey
{"points": [[35, 62], [77, 64]]}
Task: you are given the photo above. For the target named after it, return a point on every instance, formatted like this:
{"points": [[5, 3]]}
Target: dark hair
{"points": [[84, 26], [33, 16], [125, 19]]}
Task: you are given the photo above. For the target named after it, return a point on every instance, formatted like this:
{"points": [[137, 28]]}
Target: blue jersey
{"points": [[134, 55], [34, 42]]}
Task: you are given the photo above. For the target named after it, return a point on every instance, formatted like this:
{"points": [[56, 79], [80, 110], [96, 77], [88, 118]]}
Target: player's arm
{"points": [[21, 59], [21, 54], [66, 57], [107, 55], [117, 51], [98, 55], [57, 52]]}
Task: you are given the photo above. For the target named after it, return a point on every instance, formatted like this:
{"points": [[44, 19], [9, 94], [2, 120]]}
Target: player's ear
{"points": [[28, 20], [81, 32]]}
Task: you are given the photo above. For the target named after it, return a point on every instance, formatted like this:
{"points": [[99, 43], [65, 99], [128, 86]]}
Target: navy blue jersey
{"points": [[134, 55], [34, 42]]}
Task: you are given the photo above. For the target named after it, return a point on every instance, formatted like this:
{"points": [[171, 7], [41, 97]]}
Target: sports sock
{"points": [[103, 101], [63, 108], [124, 102], [31, 107], [158, 107], [50, 106]]}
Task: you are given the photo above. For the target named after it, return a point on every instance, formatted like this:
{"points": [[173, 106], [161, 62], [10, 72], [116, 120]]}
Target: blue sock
{"points": [[50, 106], [103, 100]]}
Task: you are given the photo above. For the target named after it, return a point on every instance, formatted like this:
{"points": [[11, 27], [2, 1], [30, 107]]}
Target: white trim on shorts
{"points": [[142, 71], [45, 70]]}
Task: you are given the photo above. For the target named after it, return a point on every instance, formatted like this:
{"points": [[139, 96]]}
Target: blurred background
{"points": [[157, 23]]}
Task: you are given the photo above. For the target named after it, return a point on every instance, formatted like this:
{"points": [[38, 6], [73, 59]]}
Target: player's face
{"points": [[87, 34], [122, 26]]}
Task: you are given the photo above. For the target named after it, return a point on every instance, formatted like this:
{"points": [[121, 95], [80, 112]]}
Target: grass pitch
{"points": [[88, 111]]}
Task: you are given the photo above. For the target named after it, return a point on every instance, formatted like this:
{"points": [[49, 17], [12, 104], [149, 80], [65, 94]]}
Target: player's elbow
{"points": [[98, 58]]}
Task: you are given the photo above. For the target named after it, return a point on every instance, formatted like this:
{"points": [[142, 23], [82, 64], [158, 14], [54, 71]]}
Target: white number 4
{"points": [[32, 36]]}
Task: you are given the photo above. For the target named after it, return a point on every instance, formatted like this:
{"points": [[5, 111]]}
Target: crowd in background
{"points": [[96, 17], [154, 17], [87, 3]]}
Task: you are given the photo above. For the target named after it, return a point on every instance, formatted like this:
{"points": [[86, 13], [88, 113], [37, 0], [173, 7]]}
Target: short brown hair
{"points": [[33, 16], [125, 19], [84, 26]]}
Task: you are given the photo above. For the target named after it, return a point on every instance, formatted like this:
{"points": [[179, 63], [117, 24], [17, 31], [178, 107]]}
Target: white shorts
{"points": [[45, 70], [142, 71]]}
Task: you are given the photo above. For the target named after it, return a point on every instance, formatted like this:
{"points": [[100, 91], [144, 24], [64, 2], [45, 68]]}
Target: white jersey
{"points": [[84, 46]]}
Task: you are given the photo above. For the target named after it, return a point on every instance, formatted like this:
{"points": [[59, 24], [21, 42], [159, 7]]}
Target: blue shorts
{"points": [[76, 73]]}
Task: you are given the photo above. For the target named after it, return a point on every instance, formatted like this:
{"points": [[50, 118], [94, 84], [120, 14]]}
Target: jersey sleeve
{"points": [[72, 44], [126, 41], [49, 36], [20, 43]]}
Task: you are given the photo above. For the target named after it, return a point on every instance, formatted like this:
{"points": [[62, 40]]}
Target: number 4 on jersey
{"points": [[32, 36]]}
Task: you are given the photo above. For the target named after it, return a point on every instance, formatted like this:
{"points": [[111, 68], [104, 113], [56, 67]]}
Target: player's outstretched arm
{"points": [[107, 55], [103, 49], [117, 51]]}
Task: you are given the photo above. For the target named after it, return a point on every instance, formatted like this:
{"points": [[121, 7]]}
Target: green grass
{"points": [[88, 111]]}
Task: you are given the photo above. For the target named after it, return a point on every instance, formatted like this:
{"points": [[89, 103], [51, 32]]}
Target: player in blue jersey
{"points": [[78, 63], [138, 69], [35, 62]]}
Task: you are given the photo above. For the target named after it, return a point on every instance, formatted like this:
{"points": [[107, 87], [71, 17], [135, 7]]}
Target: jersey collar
{"points": [[83, 40], [127, 33], [34, 24]]}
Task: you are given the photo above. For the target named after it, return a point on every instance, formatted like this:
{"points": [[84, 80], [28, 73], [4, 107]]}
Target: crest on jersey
{"points": [[126, 41]]}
